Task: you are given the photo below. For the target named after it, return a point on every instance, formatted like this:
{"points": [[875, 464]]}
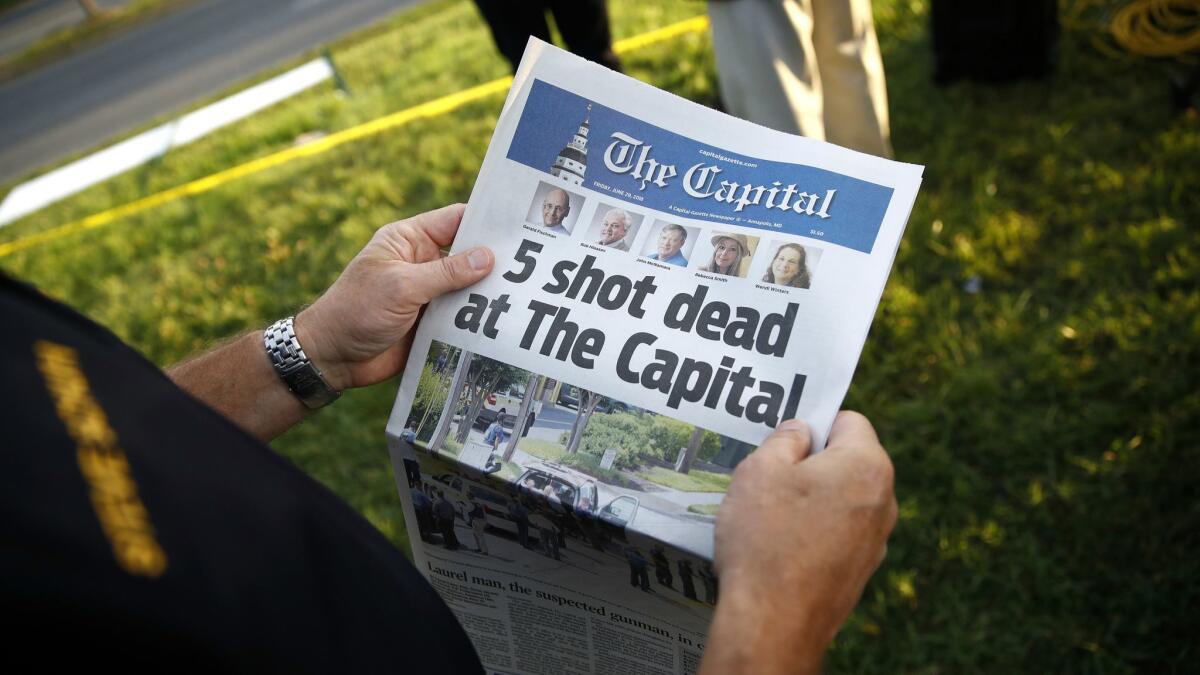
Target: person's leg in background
{"points": [[583, 25], [767, 65], [852, 78], [512, 22]]}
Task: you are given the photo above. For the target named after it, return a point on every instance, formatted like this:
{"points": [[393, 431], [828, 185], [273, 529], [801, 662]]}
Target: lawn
{"points": [[693, 481], [1032, 367], [547, 450]]}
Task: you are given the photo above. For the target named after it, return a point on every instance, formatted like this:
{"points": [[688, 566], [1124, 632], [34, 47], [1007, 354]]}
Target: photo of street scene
{"points": [[468, 517], [602, 456]]}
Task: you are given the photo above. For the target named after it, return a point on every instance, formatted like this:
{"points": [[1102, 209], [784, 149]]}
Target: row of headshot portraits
{"points": [[712, 251]]}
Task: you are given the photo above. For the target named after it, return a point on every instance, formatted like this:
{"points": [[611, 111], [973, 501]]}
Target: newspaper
{"points": [[670, 284]]}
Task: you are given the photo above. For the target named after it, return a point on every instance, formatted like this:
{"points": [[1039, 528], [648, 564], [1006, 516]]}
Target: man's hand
{"points": [[797, 538], [359, 332]]}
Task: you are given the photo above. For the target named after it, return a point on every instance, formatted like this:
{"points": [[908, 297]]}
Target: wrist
{"points": [[757, 628], [294, 367], [322, 350]]}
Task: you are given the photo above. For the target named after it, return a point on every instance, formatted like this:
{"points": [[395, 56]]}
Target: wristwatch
{"points": [[293, 366]]}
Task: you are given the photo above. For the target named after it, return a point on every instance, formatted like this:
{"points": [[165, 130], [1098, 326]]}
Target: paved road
{"points": [[89, 97], [22, 25]]}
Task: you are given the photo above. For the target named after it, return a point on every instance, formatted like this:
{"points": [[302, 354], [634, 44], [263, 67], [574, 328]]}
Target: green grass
{"points": [[546, 450], [704, 509], [693, 481], [84, 34], [1045, 429]]}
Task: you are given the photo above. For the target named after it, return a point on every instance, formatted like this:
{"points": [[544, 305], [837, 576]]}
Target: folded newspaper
{"points": [[670, 284]]}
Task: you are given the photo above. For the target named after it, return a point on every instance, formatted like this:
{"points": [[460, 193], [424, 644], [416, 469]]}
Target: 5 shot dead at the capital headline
{"points": [[551, 332]]}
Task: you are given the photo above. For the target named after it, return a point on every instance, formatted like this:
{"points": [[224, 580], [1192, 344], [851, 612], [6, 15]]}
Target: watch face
{"points": [[310, 387], [305, 381]]}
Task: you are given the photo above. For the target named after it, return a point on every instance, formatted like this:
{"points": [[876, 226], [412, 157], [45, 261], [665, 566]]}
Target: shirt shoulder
{"points": [[139, 515]]}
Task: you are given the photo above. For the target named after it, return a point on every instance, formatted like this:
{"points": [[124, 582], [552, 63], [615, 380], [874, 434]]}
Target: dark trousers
{"points": [[549, 541], [663, 574], [449, 540], [689, 587], [424, 524], [583, 25], [638, 577], [412, 471]]}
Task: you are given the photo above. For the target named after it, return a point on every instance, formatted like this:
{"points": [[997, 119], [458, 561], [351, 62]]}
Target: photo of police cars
{"points": [[502, 464]]}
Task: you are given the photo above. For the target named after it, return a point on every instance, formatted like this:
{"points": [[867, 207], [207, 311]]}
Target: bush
{"points": [[635, 434], [612, 431], [452, 447], [667, 436], [590, 464]]}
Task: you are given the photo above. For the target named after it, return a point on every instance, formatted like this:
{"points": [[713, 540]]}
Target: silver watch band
{"points": [[293, 366]]}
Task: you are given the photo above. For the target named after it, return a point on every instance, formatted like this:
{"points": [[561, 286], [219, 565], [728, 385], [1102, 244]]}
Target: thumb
{"points": [[790, 443], [438, 277]]}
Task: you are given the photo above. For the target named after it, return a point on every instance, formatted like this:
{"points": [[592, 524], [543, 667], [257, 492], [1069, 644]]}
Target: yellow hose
{"points": [[1158, 27], [1163, 28]]}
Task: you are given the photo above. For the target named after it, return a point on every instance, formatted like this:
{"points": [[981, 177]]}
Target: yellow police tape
{"points": [[434, 108]]}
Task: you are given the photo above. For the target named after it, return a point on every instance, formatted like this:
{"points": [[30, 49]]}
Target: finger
{"points": [[790, 442], [856, 456], [437, 277], [440, 225], [421, 237], [851, 429]]}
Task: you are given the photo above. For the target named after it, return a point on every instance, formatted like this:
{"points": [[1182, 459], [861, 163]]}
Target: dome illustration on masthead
{"points": [[571, 163]]}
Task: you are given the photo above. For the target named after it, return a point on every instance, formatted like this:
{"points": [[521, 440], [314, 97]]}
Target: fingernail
{"points": [[792, 425], [479, 258]]}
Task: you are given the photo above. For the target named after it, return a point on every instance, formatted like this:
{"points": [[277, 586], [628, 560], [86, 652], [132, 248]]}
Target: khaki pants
{"points": [[808, 67]]}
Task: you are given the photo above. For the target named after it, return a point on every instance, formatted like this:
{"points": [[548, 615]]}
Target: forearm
{"points": [[238, 381], [748, 635]]}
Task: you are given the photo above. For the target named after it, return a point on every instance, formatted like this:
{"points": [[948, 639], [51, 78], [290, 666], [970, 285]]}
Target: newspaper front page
{"points": [[670, 284]]}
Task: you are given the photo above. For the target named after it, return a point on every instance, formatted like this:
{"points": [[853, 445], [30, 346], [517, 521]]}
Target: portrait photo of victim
{"points": [[786, 263], [671, 243], [554, 209], [614, 227], [725, 253]]}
